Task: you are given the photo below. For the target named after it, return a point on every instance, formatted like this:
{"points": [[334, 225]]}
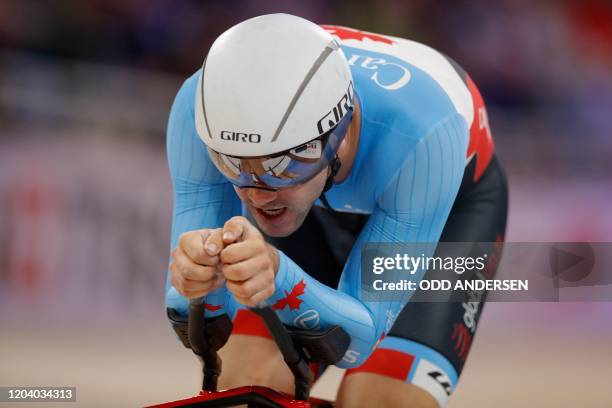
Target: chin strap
{"points": [[335, 167]]}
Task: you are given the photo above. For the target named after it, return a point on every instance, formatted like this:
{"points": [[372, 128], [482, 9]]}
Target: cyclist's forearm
{"points": [[302, 301]]}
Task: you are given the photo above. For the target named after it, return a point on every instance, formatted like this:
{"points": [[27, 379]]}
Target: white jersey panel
{"points": [[426, 59]]}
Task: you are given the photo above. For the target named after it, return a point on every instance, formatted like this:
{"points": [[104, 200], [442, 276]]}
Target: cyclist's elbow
{"points": [[177, 302]]}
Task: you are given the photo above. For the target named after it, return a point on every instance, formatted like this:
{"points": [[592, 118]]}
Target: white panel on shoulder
{"points": [[434, 380], [426, 59]]}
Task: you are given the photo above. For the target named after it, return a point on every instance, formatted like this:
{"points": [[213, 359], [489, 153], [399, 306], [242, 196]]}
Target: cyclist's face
{"points": [[279, 213]]}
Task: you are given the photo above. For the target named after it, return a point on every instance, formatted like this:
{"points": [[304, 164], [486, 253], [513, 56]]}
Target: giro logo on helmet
{"points": [[332, 118], [240, 137]]}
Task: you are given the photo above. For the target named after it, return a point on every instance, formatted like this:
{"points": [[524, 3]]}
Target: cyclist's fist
{"points": [[195, 269], [249, 263]]}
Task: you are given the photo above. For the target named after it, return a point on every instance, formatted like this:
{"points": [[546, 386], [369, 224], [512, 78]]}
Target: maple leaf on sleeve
{"points": [[212, 308], [291, 299]]}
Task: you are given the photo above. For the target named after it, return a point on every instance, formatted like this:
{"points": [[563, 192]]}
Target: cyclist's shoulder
{"points": [[187, 156], [182, 115], [382, 49], [181, 123], [185, 96], [403, 83]]}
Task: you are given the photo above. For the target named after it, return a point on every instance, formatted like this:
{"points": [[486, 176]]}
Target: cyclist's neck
{"points": [[350, 144]]}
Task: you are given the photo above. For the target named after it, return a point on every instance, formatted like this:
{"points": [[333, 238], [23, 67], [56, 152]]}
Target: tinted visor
{"points": [[285, 169]]}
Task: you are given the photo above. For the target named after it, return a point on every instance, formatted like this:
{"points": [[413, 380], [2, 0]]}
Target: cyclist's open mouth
{"points": [[272, 212]]}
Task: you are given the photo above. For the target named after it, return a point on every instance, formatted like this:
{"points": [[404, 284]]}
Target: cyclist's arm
{"points": [[202, 196], [411, 207]]}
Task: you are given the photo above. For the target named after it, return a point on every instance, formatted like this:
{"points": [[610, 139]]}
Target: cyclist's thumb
{"points": [[236, 229]]}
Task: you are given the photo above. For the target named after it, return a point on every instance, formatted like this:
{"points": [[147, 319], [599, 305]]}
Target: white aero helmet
{"points": [[273, 101]]}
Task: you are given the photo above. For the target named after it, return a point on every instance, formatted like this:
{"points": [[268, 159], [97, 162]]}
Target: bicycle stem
{"points": [[291, 355]]}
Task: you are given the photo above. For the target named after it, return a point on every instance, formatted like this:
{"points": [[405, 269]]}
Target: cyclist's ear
{"points": [[342, 149]]}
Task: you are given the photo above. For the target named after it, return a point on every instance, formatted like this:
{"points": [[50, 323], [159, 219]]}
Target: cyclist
{"points": [[291, 148]]}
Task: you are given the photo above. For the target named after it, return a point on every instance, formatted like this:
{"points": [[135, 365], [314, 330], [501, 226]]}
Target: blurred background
{"points": [[85, 197]]}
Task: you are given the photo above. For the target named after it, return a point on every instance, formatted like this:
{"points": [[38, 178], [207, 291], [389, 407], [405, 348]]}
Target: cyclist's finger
{"points": [[188, 269], [199, 273], [214, 242], [189, 285], [234, 229], [185, 286], [257, 298], [248, 288], [175, 279], [194, 289], [191, 294], [240, 251], [192, 243], [247, 269]]}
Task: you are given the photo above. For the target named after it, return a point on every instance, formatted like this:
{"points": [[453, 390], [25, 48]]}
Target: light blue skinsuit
{"points": [[406, 174]]}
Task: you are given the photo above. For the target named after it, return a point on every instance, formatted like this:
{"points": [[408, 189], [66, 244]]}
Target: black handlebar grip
{"points": [[200, 344], [196, 328], [291, 355]]}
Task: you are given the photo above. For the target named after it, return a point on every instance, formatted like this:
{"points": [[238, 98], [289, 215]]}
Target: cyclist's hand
{"points": [[249, 262], [195, 269]]}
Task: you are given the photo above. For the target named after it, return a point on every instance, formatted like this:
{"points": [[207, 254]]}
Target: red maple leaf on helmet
{"points": [[291, 299], [212, 308], [345, 33]]}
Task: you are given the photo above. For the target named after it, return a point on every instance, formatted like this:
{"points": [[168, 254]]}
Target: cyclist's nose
{"points": [[260, 197]]}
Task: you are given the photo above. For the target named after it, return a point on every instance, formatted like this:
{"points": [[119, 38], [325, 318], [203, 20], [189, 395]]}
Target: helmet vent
{"points": [[202, 95], [332, 46]]}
